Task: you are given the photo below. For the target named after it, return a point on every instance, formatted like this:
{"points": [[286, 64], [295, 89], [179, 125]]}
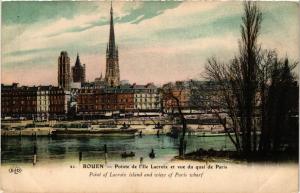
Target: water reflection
{"points": [[20, 149]]}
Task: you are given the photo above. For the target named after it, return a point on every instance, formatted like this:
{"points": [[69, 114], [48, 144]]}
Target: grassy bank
{"points": [[216, 155]]}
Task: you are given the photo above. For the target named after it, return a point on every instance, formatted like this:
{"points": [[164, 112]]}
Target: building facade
{"points": [[18, 101], [170, 104], [38, 103], [64, 75], [43, 102], [179, 90], [121, 99], [78, 71], [58, 102], [86, 101], [146, 97], [112, 74], [98, 101]]}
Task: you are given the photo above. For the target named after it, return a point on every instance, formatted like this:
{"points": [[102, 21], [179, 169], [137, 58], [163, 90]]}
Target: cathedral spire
{"points": [[112, 73], [111, 43]]}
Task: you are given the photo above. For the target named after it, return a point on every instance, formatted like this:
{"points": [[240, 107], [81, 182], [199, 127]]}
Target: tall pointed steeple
{"points": [[111, 33], [112, 74], [77, 63]]}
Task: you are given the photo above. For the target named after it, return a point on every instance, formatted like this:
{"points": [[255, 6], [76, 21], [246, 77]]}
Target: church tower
{"points": [[64, 75], [112, 74], [78, 71]]}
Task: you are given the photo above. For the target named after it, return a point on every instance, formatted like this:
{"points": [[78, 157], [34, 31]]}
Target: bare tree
{"points": [[168, 92], [217, 96], [248, 63], [254, 88], [269, 58], [238, 78], [237, 81]]}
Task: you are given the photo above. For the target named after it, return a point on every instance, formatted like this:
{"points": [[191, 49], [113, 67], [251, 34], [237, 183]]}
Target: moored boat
{"points": [[105, 132], [125, 154], [158, 126], [125, 126], [152, 154]]}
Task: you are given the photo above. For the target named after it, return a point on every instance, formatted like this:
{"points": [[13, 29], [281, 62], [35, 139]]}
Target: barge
{"points": [[100, 132]]}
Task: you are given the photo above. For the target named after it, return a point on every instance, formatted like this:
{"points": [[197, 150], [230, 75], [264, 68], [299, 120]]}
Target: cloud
{"points": [[156, 43], [135, 15], [28, 12], [147, 10], [216, 27]]}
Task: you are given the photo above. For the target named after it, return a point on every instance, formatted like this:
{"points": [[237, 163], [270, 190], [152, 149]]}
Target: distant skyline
{"points": [[158, 41]]}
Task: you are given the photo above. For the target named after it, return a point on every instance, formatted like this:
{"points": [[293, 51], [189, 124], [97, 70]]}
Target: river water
{"points": [[66, 149]]}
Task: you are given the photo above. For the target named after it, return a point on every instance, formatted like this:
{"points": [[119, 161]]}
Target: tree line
{"points": [[254, 95], [258, 91]]}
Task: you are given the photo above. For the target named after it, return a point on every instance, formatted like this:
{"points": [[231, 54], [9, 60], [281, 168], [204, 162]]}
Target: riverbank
{"points": [[45, 131], [145, 125], [234, 156], [145, 129], [40, 131], [119, 121]]}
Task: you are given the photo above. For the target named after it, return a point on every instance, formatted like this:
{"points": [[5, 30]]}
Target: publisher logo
{"points": [[15, 170]]}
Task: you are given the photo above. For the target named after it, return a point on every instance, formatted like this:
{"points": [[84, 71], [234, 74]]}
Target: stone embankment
{"points": [[144, 125]]}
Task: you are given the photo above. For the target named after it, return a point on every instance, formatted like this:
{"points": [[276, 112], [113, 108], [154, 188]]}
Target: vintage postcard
{"points": [[149, 96]]}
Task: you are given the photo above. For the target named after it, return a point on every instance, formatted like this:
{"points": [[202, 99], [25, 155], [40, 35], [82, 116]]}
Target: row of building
{"points": [[51, 102], [36, 102], [124, 98]]}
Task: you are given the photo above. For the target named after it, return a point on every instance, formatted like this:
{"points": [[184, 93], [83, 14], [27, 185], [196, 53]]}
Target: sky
{"points": [[158, 42]]}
